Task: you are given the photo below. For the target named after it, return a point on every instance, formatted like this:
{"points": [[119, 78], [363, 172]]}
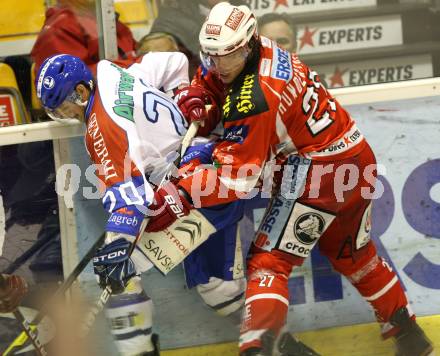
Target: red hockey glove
{"points": [[170, 204], [192, 100], [12, 292]]}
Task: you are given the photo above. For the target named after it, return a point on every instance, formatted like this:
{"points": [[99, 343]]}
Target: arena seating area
{"points": [[18, 31]]}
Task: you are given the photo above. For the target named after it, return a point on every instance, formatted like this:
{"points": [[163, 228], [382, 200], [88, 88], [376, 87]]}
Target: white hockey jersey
{"points": [[133, 132]]}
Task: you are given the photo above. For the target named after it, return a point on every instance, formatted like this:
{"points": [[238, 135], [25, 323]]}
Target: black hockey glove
{"points": [[113, 265]]}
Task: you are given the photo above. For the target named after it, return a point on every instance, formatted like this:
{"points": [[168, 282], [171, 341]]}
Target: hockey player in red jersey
{"points": [[276, 109]]}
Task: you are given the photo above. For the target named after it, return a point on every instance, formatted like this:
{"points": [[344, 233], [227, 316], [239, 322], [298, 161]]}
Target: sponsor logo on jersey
{"points": [[271, 218], [350, 139], [293, 88], [118, 219], [281, 65], [124, 105], [307, 230], [213, 29], [234, 19], [190, 156], [236, 133], [308, 227], [100, 147], [294, 176], [244, 103], [125, 220], [245, 98], [305, 227]]}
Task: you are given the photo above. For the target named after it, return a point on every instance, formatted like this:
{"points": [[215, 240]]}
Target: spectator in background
{"points": [[280, 28], [70, 27], [157, 42]]}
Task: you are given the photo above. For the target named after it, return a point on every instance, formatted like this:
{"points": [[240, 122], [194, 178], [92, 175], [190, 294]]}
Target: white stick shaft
{"points": [[192, 130]]}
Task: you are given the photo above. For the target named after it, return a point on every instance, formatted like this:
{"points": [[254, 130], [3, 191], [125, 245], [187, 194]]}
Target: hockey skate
{"points": [[286, 345], [410, 340], [289, 346], [267, 342]]}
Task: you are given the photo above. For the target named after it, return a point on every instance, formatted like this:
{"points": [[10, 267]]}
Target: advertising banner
{"points": [[261, 7], [333, 36], [7, 112], [376, 71]]}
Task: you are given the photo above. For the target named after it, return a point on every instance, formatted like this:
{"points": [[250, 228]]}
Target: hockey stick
{"points": [[27, 329], [192, 130], [106, 293], [21, 339]]}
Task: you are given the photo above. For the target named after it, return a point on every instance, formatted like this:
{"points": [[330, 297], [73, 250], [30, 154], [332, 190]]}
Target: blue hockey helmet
{"points": [[58, 77]]}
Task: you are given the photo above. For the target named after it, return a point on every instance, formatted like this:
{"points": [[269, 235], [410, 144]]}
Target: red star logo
{"points": [[337, 78], [347, 140], [307, 37], [280, 2]]}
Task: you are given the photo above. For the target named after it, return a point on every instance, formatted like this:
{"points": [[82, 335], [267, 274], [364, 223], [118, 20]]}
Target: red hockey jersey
{"points": [[277, 106]]}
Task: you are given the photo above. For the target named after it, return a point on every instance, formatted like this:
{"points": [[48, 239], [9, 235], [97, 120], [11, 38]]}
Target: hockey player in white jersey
{"points": [[133, 130]]}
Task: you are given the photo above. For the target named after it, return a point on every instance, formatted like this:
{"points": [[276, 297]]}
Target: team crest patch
{"points": [[48, 82], [234, 19]]}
